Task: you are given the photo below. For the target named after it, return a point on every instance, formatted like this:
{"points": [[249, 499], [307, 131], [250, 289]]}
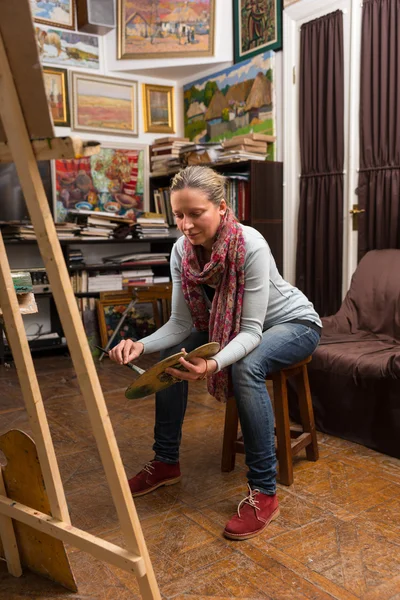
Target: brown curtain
{"points": [[379, 178], [320, 220]]}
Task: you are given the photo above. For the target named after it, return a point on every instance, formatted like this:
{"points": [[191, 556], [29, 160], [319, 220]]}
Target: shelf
{"points": [[162, 240], [102, 267], [229, 166]]}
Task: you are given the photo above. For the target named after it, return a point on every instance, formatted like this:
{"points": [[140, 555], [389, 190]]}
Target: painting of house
{"points": [[165, 28], [237, 100]]}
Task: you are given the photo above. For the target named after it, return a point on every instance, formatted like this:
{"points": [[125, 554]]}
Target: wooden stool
{"points": [[290, 440]]}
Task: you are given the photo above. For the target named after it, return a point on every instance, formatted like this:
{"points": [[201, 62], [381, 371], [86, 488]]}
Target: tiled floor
{"points": [[338, 535]]}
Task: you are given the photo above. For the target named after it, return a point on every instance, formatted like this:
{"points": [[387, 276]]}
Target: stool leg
{"points": [[283, 429], [230, 436], [307, 413]]}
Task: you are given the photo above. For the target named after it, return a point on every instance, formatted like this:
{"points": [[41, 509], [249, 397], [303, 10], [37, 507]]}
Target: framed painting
{"points": [[58, 13], [56, 86], [233, 102], [104, 104], [257, 27], [167, 29], [115, 181], [158, 108], [139, 322], [67, 48]]}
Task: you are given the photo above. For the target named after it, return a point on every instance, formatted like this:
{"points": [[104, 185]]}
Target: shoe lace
{"points": [[250, 499], [148, 467]]}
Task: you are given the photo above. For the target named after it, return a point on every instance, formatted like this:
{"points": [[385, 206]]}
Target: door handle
{"points": [[355, 211]]}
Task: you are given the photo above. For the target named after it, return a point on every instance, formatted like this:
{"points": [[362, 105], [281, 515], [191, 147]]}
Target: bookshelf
{"points": [[255, 191], [113, 246]]}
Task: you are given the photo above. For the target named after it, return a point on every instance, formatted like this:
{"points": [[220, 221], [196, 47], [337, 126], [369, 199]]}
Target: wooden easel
{"points": [[24, 115]]}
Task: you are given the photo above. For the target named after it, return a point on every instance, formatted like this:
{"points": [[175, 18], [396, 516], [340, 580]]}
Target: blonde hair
{"points": [[205, 179]]}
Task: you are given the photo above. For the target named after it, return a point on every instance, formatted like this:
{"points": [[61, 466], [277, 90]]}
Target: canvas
{"points": [[104, 104], [257, 27], [139, 322], [158, 108], [114, 181], [235, 101], [56, 86], [60, 13], [165, 28], [67, 48]]}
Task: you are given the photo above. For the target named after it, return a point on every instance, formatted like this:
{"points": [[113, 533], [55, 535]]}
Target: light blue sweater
{"points": [[268, 300]]}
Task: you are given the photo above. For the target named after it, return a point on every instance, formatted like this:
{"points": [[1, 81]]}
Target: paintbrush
{"points": [[129, 365]]}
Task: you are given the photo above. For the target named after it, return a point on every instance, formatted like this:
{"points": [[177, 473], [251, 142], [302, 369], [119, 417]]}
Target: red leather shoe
{"points": [[254, 514], [153, 475]]}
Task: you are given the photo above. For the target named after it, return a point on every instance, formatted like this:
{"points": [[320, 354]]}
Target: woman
{"points": [[227, 289]]}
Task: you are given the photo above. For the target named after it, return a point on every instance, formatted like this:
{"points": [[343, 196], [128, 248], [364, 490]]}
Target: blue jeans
{"points": [[281, 346]]}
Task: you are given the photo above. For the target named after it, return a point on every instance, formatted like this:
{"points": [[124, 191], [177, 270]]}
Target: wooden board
{"points": [[23, 480], [51, 148], [15, 25]]}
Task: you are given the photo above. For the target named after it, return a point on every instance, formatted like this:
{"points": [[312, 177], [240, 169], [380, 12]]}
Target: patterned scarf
{"points": [[224, 272]]}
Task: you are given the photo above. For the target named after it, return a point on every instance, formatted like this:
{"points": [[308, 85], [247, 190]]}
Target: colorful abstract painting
{"points": [[104, 104], [235, 101], [60, 13], [67, 48], [257, 27], [165, 28], [112, 181], [138, 324]]}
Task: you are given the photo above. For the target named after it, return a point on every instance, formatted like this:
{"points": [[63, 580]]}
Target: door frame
{"points": [[293, 17]]}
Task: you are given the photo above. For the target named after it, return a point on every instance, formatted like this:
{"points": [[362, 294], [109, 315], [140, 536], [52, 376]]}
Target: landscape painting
{"points": [[104, 104], [257, 27], [235, 101], [60, 13], [56, 86], [113, 181], [165, 28], [67, 48], [158, 108]]}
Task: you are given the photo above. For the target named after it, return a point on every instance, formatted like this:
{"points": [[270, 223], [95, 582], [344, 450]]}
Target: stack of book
{"points": [[135, 277], [105, 283], [66, 231], [201, 153], [151, 226], [164, 154], [16, 230], [75, 257], [137, 259], [251, 146], [96, 225]]}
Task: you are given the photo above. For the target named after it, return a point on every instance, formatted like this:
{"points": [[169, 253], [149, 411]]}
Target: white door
{"points": [[293, 18]]}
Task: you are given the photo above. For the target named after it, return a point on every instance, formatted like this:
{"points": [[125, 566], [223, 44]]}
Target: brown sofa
{"points": [[355, 371]]}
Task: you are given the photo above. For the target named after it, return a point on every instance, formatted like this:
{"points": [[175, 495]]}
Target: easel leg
{"points": [[30, 389], [39, 211], [8, 540]]}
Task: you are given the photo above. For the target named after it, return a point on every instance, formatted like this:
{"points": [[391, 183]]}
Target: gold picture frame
{"points": [[56, 86], [158, 108], [180, 31], [104, 104], [69, 21]]}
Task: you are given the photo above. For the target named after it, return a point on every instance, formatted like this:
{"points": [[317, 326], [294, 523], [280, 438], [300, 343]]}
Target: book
{"points": [[260, 137], [170, 138]]}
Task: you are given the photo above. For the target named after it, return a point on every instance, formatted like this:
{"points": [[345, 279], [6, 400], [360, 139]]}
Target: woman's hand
{"points": [[195, 368], [126, 351]]}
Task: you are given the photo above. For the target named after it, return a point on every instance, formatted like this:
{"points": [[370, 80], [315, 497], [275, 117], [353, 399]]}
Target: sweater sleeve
{"points": [[180, 323], [255, 303]]}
